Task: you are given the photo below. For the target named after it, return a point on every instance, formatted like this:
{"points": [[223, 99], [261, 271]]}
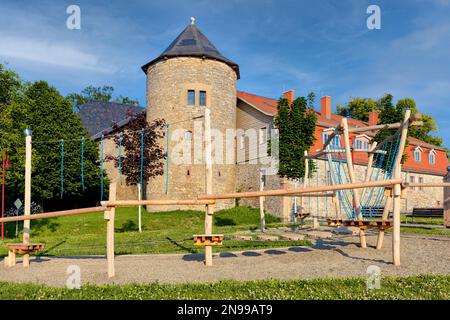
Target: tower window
{"points": [[191, 97], [188, 135], [203, 98]]}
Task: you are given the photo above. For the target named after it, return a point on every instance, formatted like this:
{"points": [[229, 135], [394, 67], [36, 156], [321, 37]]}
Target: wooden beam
{"points": [[131, 203], [209, 212], [209, 208], [302, 191], [375, 127], [54, 214], [352, 177], [387, 207], [27, 208], [426, 185], [262, 218], [110, 217], [397, 190]]}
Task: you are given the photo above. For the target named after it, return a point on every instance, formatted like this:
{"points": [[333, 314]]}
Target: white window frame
{"points": [[336, 142], [432, 155], [242, 141], [418, 154], [262, 135]]}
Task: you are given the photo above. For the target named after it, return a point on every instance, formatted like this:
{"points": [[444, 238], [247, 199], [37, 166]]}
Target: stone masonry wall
{"points": [[167, 84]]}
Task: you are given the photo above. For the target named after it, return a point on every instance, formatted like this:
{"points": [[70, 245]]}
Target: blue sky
{"points": [[320, 46]]}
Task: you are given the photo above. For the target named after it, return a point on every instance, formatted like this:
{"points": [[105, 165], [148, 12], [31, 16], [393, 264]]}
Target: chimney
{"points": [[289, 95], [325, 107], [373, 118]]}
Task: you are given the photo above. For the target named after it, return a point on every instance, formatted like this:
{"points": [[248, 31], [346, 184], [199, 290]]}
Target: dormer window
{"points": [[418, 154], [361, 142], [335, 143], [432, 157]]}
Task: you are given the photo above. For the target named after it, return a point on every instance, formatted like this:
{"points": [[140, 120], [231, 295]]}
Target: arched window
{"points": [[418, 154], [432, 157], [335, 143], [361, 142]]}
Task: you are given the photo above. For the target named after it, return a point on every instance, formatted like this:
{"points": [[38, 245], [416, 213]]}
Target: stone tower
{"points": [[189, 76]]}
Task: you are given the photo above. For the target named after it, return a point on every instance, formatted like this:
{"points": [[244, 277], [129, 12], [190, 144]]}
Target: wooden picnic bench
{"points": [[425, 213], [23, 249]]}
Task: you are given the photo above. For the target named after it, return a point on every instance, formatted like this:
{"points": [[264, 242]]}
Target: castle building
{"points": [[192, 75]]}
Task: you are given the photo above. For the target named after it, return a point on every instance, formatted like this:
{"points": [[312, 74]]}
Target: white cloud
{"points": [[52, 53]]}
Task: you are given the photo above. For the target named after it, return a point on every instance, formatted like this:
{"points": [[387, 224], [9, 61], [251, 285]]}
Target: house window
{"points": [[188, 135], [336, 142], [420, 181], [432, 158], [203, 98], [262, 135], [191, 97], [241, 141], [418, 155], [328, 180], [412, 179]]}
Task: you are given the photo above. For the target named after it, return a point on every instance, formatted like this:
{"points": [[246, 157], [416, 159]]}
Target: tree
{"points": [[358, 108], [296, 125], [92, 93], [51, 118], [154, 156]]}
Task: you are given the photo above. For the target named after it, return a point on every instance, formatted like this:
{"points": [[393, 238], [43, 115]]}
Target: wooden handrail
{"points": [[285, 192], [54, 214]]}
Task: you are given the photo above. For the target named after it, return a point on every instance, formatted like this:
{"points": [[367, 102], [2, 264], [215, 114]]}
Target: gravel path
{"points": [[336, 257]]}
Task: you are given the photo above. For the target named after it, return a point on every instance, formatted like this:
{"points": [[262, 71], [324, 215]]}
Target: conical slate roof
{"points": [[192, 43]]}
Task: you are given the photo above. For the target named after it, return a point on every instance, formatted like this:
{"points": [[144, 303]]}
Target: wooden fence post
{"points": [[387, 207], [27, 208], [447, 200], [262, 222], [209, 209], [209, 212], [109, 217]]}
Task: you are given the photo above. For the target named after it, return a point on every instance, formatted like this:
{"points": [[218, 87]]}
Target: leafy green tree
{"points": [[41, 108], [51, 118], [358, 108], [91, 93], [296, 125]]}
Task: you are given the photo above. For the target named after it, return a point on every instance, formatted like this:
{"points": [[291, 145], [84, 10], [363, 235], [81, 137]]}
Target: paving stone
{"points": [[243, 238], [267, 238], [346, 230], [293, 237], [319, 234]]}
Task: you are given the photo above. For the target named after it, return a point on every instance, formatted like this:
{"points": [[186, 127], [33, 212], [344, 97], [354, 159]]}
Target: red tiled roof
{"points": [[269, 106], [266, 105]]}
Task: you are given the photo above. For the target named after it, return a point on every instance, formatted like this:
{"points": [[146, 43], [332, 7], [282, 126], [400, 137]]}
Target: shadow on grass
{"points": [[127, 226], [40, 225], [222, 222]]}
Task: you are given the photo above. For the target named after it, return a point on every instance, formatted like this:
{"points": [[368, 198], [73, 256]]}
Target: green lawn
{"points": [[417, 287], [162, 232]]}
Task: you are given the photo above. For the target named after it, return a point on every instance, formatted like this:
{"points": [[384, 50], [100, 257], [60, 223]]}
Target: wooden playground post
{"points": [[387, 207], [397, 190], [351, 173], [109, 217], [262, 223], [209, 209], [447, 200], [27, 208]]}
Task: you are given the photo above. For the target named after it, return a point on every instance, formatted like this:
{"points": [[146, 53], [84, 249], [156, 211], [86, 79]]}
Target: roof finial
{"points": [[192, 20]]}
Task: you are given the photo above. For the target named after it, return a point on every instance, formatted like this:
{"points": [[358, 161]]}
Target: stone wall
{"points": [[167, 84], [124, 192]]}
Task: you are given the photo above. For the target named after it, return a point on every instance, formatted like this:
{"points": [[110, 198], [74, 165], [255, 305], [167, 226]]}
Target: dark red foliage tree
{"points": [[153, 152]]}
